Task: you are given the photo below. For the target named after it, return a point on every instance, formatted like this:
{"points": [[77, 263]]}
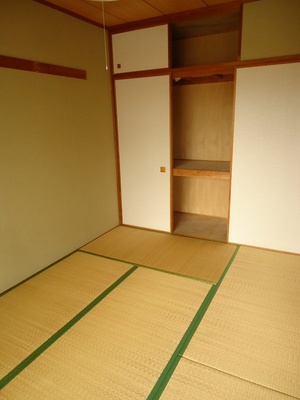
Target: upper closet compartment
{"points": [[209, 40], [142, 49]]}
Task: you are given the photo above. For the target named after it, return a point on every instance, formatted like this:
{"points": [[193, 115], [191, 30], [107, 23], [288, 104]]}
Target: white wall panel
{"points": [[265, 195], [142, 49], [144, 144]]}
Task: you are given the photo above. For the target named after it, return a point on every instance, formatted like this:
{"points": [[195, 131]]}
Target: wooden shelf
{"points": [[227, 69], [200, 226], [199, 71], [202, 168]]}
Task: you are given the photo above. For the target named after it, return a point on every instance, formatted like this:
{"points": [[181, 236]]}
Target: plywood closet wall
{"points": [[203, 131]]}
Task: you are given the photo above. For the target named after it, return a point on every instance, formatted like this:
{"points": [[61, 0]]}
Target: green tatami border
{"points": [[37, 352], [175, 358]]}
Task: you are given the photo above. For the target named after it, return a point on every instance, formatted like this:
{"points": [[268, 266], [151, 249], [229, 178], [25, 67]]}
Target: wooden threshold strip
{"points": [[36, 66]]}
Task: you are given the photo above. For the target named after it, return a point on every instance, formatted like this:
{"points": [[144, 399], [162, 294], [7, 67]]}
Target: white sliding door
{"points": [[265, 194], [143, 112], [141, 49]]}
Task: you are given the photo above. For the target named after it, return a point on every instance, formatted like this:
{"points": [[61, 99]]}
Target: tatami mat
{"points": [[119, 349], [193, 381], [196, 258], [35, 310], [252, 328]]}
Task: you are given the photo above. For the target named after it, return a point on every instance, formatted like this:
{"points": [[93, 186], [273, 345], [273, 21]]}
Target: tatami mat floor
{"points": [[249, 339], [38, 308], [91, 327], [200, 259]]}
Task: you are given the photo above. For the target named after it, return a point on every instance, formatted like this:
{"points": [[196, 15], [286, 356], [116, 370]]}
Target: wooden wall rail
{"points": [[35, 66]]}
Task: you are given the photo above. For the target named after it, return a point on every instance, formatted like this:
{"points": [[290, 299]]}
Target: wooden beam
{"points": [[36, 66]]}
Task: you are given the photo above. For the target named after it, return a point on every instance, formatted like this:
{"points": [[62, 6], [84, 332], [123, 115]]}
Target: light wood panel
{"points": [[212, 49], [200, 226], [207, 25], [203, 121], [210, 169], [198, 195]]}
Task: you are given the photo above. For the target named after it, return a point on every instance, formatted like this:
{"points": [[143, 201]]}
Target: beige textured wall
{"points": [[57, 164], [271, 28]]}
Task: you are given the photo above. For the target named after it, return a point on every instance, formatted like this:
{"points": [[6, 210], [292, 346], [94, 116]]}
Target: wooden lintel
{"points": [[268, 61], [222, 72], [36, 66], [227, 68], [142, 74]]}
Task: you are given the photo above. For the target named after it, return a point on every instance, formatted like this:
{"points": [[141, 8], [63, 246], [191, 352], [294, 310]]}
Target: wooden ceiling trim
{"points": [[217, 2], [168, 6]]}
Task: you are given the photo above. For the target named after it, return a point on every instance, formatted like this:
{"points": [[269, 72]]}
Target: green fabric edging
{"points": [[36, 353], [180, 349]]}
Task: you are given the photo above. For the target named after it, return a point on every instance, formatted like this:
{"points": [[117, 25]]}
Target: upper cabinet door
{"points": [[141, 49], [270, 29]]}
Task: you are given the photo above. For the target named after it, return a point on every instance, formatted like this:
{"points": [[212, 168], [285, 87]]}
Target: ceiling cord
{"points": [[105, 38]]}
